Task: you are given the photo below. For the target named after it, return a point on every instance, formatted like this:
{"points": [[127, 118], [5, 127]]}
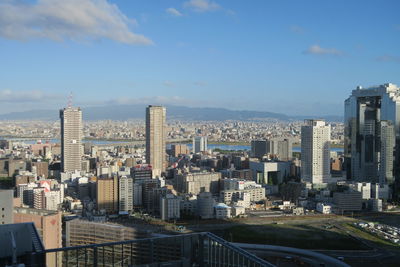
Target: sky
{"points": [[291, 57]]}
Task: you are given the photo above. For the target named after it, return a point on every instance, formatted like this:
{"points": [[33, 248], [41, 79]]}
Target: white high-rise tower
{"points": [[155, 138], [315, 152], [199, 144], [71, 138]]}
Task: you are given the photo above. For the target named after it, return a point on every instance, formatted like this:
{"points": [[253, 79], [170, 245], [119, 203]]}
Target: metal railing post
{"points": [[95, 257]]}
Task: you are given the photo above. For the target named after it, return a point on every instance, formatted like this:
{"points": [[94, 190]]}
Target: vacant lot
{"points": [[313, 236]]}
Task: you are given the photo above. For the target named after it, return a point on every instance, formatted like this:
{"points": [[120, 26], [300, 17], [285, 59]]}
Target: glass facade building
{"points": [[372, 135]]}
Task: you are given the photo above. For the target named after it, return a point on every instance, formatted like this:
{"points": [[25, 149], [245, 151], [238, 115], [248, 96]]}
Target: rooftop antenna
{"points": [[70, 100]]}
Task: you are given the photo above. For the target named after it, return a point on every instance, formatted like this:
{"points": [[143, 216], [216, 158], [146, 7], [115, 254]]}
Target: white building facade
{"points": [[315, 152]]}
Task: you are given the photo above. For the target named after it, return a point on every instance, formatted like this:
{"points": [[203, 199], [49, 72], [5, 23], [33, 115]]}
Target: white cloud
{"points": [[174, 12], [317, 50], [201, 5], [7, 96], [60, 20], [389, 58]]}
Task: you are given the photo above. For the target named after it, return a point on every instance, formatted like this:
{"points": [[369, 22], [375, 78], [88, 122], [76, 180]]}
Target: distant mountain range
{"points": [[137, 111]]}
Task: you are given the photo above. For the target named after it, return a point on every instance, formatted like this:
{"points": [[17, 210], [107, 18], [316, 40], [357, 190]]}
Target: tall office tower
{"points": [[372, 135], [199, 144], [71, 136], [6, 206], [315, 152], [107, 194], [155, 138], [125, 193], [259, 148], [282, 148]]}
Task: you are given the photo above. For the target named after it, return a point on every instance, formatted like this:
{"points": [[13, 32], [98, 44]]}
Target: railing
{"points": [[200, 249]]}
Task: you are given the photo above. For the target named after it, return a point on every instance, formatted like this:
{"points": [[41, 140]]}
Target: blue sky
{"points": [[293, 57]]}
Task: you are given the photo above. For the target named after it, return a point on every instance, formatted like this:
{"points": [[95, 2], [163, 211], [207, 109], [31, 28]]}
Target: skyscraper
{"points": [[285, 149], [125, 193], [315, 152], [199, 144], [71, 136], [259, 148], [372, 134], [155, 138]]}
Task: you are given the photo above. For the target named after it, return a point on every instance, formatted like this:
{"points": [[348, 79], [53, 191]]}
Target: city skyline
{"points": [[199, 133], [243, 57]]}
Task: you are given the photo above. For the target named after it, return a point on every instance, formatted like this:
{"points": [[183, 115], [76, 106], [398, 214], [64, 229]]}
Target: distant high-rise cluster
{"points": [[71, 137], [155, 138], [315, 152]]}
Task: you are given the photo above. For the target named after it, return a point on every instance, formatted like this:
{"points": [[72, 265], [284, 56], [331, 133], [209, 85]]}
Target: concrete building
{"points": [[48, 224], [347, 201], [137, 194], [375, 205], [324, 208], [200, 144], [141, 172], [237, 184], [25, 192], [53, 199], [125, 193], [179, 149], [6, 206], [188, 205], [372, 135], [170, 207], [230, 196], [196, 182], [222, 211], [205, 205], [81, 232], [315, 152], [156, 138], [364, 189], [281, 148], [41, 168], [237, 211], [71, 136], [259, 148], [107, 194], [270, 172], [39, 198], [380, 191], [15, 165]]}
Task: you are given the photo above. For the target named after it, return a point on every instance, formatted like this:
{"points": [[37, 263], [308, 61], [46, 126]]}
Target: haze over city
{"points": [[263, 56]]}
